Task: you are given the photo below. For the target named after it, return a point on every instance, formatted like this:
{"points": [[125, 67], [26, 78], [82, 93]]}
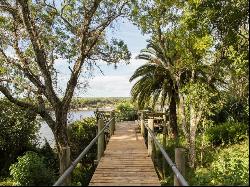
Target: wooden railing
{"points": [[149, 121], [100, 139]]}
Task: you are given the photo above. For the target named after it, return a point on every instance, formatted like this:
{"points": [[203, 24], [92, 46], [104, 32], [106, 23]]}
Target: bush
{"points": [[30, 170], [126, 111], [80, 134], [234, 109], [225, 133], [82, 175], [7, 182], [50, 157], [18, 129], [230, 167]]}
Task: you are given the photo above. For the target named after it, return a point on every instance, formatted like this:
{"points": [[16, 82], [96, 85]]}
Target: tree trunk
{"points": [[193, 127], [173, 116], [195, 117], [183, 117], [62, 142], [164, 132]]}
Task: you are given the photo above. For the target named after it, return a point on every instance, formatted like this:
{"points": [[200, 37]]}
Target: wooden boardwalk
{"points": [[125, 161]]}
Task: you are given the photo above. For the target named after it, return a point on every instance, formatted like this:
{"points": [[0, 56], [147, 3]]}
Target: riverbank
{"points": [[93, 109]]}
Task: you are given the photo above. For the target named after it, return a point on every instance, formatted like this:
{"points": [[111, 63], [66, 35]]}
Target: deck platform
{"points": [[125, 161]]}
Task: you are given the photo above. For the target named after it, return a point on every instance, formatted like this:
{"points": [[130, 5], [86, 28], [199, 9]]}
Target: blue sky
{"points": [[114, 82]]}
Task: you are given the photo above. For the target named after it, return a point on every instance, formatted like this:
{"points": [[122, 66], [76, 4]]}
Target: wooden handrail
{"points": [[68, 171], [177, 173]]}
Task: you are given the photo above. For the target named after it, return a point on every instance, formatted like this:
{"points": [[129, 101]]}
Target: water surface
{"points": [[45, 131]]}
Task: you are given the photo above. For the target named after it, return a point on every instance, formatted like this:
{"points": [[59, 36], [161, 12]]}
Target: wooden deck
{"points": [[125, 161]]}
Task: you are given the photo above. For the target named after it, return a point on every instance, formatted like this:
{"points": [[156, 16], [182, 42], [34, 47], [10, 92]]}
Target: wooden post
{"points": [[64, 164], [97, 117], [164, 132], [112, 125], [100, 145], [151, 149], [142, 124], [114, 119], [180, 163]]}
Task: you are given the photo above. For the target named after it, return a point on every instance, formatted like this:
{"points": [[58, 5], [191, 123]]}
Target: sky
{"points": [[114, 82]]}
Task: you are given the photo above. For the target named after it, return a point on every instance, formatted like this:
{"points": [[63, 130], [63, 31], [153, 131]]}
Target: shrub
{"points": [[80, 134], [7, 182], [225, 133], [31, 170], [126, 111], [234, 109], [50, 157], [171, 144], [230, 167], [18, 129], [81, 175]]}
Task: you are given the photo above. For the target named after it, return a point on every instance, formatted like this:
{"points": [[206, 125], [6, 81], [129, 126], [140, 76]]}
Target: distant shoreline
{"points": [[91, 109]]}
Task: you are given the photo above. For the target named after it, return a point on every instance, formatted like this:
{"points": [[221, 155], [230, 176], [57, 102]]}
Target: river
{"points": [[45, 131]]}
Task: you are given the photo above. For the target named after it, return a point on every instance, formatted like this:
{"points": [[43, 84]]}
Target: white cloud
{"points": [[109, 86], [114, 82]]}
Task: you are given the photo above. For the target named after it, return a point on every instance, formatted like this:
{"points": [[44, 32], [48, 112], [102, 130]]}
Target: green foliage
{"points": [[227, 133], [96, 102], [18, 129], [82, 175], [50, 157], [233, 109], [31, 170], [7, 182], [230, 166], [126, 111], [80, 134]]}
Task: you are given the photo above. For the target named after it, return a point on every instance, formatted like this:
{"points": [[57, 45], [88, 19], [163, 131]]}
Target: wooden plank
{"points": [[120, 184], [125, 161]]}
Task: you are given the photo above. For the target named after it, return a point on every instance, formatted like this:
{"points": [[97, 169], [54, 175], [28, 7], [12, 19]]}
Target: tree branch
{"points": [[33, 78], [60, 14], [39, 110], [13, 11], [39, 52], [78, 65], [23, 104]]}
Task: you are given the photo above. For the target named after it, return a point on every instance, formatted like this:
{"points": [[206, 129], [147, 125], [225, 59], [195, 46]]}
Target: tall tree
{"points": [[182, 53], [35, 35], [227, 21], [158, 78], [157, 19], [227, 24]]}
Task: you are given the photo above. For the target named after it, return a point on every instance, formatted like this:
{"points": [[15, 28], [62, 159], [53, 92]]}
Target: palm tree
{"points": [[158, 79]]}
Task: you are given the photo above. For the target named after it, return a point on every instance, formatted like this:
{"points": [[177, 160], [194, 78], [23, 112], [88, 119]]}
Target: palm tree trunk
{"points": [[173, 116]]}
